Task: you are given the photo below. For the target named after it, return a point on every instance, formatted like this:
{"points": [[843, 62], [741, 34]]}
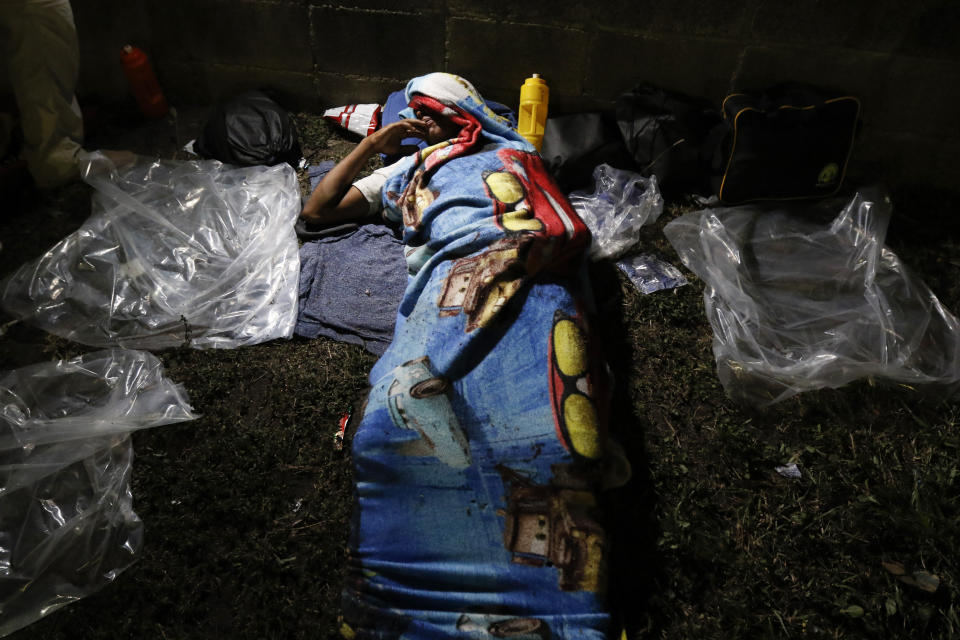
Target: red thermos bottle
{"points": [[143, 83]]}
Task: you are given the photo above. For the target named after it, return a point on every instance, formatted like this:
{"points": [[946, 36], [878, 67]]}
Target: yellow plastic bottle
{"points": [[534, 96]]}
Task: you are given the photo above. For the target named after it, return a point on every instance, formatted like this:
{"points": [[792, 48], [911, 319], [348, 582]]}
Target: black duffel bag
{"points": [[250, 129], [789, 142]]}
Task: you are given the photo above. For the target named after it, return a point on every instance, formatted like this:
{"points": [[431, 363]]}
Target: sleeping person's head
{"points": [[433, 98], [439, 126], [456, 110]]}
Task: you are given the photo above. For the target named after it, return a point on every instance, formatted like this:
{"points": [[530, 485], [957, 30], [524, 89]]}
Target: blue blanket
{"points": [[481, 442]]}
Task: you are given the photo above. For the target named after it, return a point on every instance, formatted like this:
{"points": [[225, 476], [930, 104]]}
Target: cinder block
{"points": [[699, 68], [932, 31], [384, 45], [169, 40], [862, 74], [181, 83], [103, 28], [902, 159], [101, 77], [868, 25], [275, 36], [291, 89], [107, 25], [944, 172], [334, 90], [687, 18], [810, 22], [568, 13], [920, 96], [497, 57]]}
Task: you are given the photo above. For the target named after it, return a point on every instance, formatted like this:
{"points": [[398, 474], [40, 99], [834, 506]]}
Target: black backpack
{"points": [[665, 133], [573, 145]]}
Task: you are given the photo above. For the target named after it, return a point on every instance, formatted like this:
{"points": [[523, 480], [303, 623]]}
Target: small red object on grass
{"points": [[341, 431]]}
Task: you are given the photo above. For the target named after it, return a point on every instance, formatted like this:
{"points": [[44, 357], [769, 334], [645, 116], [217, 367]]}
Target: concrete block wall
{"points": [[901, 57]]}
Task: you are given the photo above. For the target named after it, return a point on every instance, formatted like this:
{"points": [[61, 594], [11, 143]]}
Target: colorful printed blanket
{"points": [[481, 442]]}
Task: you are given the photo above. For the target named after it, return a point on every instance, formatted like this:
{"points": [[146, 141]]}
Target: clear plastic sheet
{"points": [[796, 305], [67, 526], [174, 253], [621, 203]]}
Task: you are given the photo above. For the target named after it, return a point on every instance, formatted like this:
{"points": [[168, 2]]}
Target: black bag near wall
{"points": [[665, 133], [250, 129], [789, 142], [573, 145]]}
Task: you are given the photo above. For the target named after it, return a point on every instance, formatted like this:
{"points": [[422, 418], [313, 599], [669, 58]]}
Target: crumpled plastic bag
{"points": [[649, 273], [621, 202], [362, 119], [174, 253], [796, 305], [67, 526]]}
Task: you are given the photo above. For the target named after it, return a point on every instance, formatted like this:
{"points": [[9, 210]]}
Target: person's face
{"points": [[439, 127]]}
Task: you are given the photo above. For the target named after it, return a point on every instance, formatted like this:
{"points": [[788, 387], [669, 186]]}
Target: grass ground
{"points": [[246, 509]]}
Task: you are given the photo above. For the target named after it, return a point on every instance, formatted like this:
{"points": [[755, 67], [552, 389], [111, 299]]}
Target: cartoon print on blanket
{"points": [[479, 451]]}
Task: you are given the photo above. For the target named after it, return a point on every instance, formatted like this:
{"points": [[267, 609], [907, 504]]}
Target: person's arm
{"points": [[335, 199]]}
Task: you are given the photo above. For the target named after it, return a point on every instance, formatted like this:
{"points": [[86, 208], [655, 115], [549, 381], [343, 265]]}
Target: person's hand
{"points": [[388, 139], [121, 159]]}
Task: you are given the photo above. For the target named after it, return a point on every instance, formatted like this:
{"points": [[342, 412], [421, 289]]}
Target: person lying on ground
{"points": [[338, 198], [482, 441]]}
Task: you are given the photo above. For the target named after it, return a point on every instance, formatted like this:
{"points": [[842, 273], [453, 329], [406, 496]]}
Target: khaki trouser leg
{"points": [[43, 64]]}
